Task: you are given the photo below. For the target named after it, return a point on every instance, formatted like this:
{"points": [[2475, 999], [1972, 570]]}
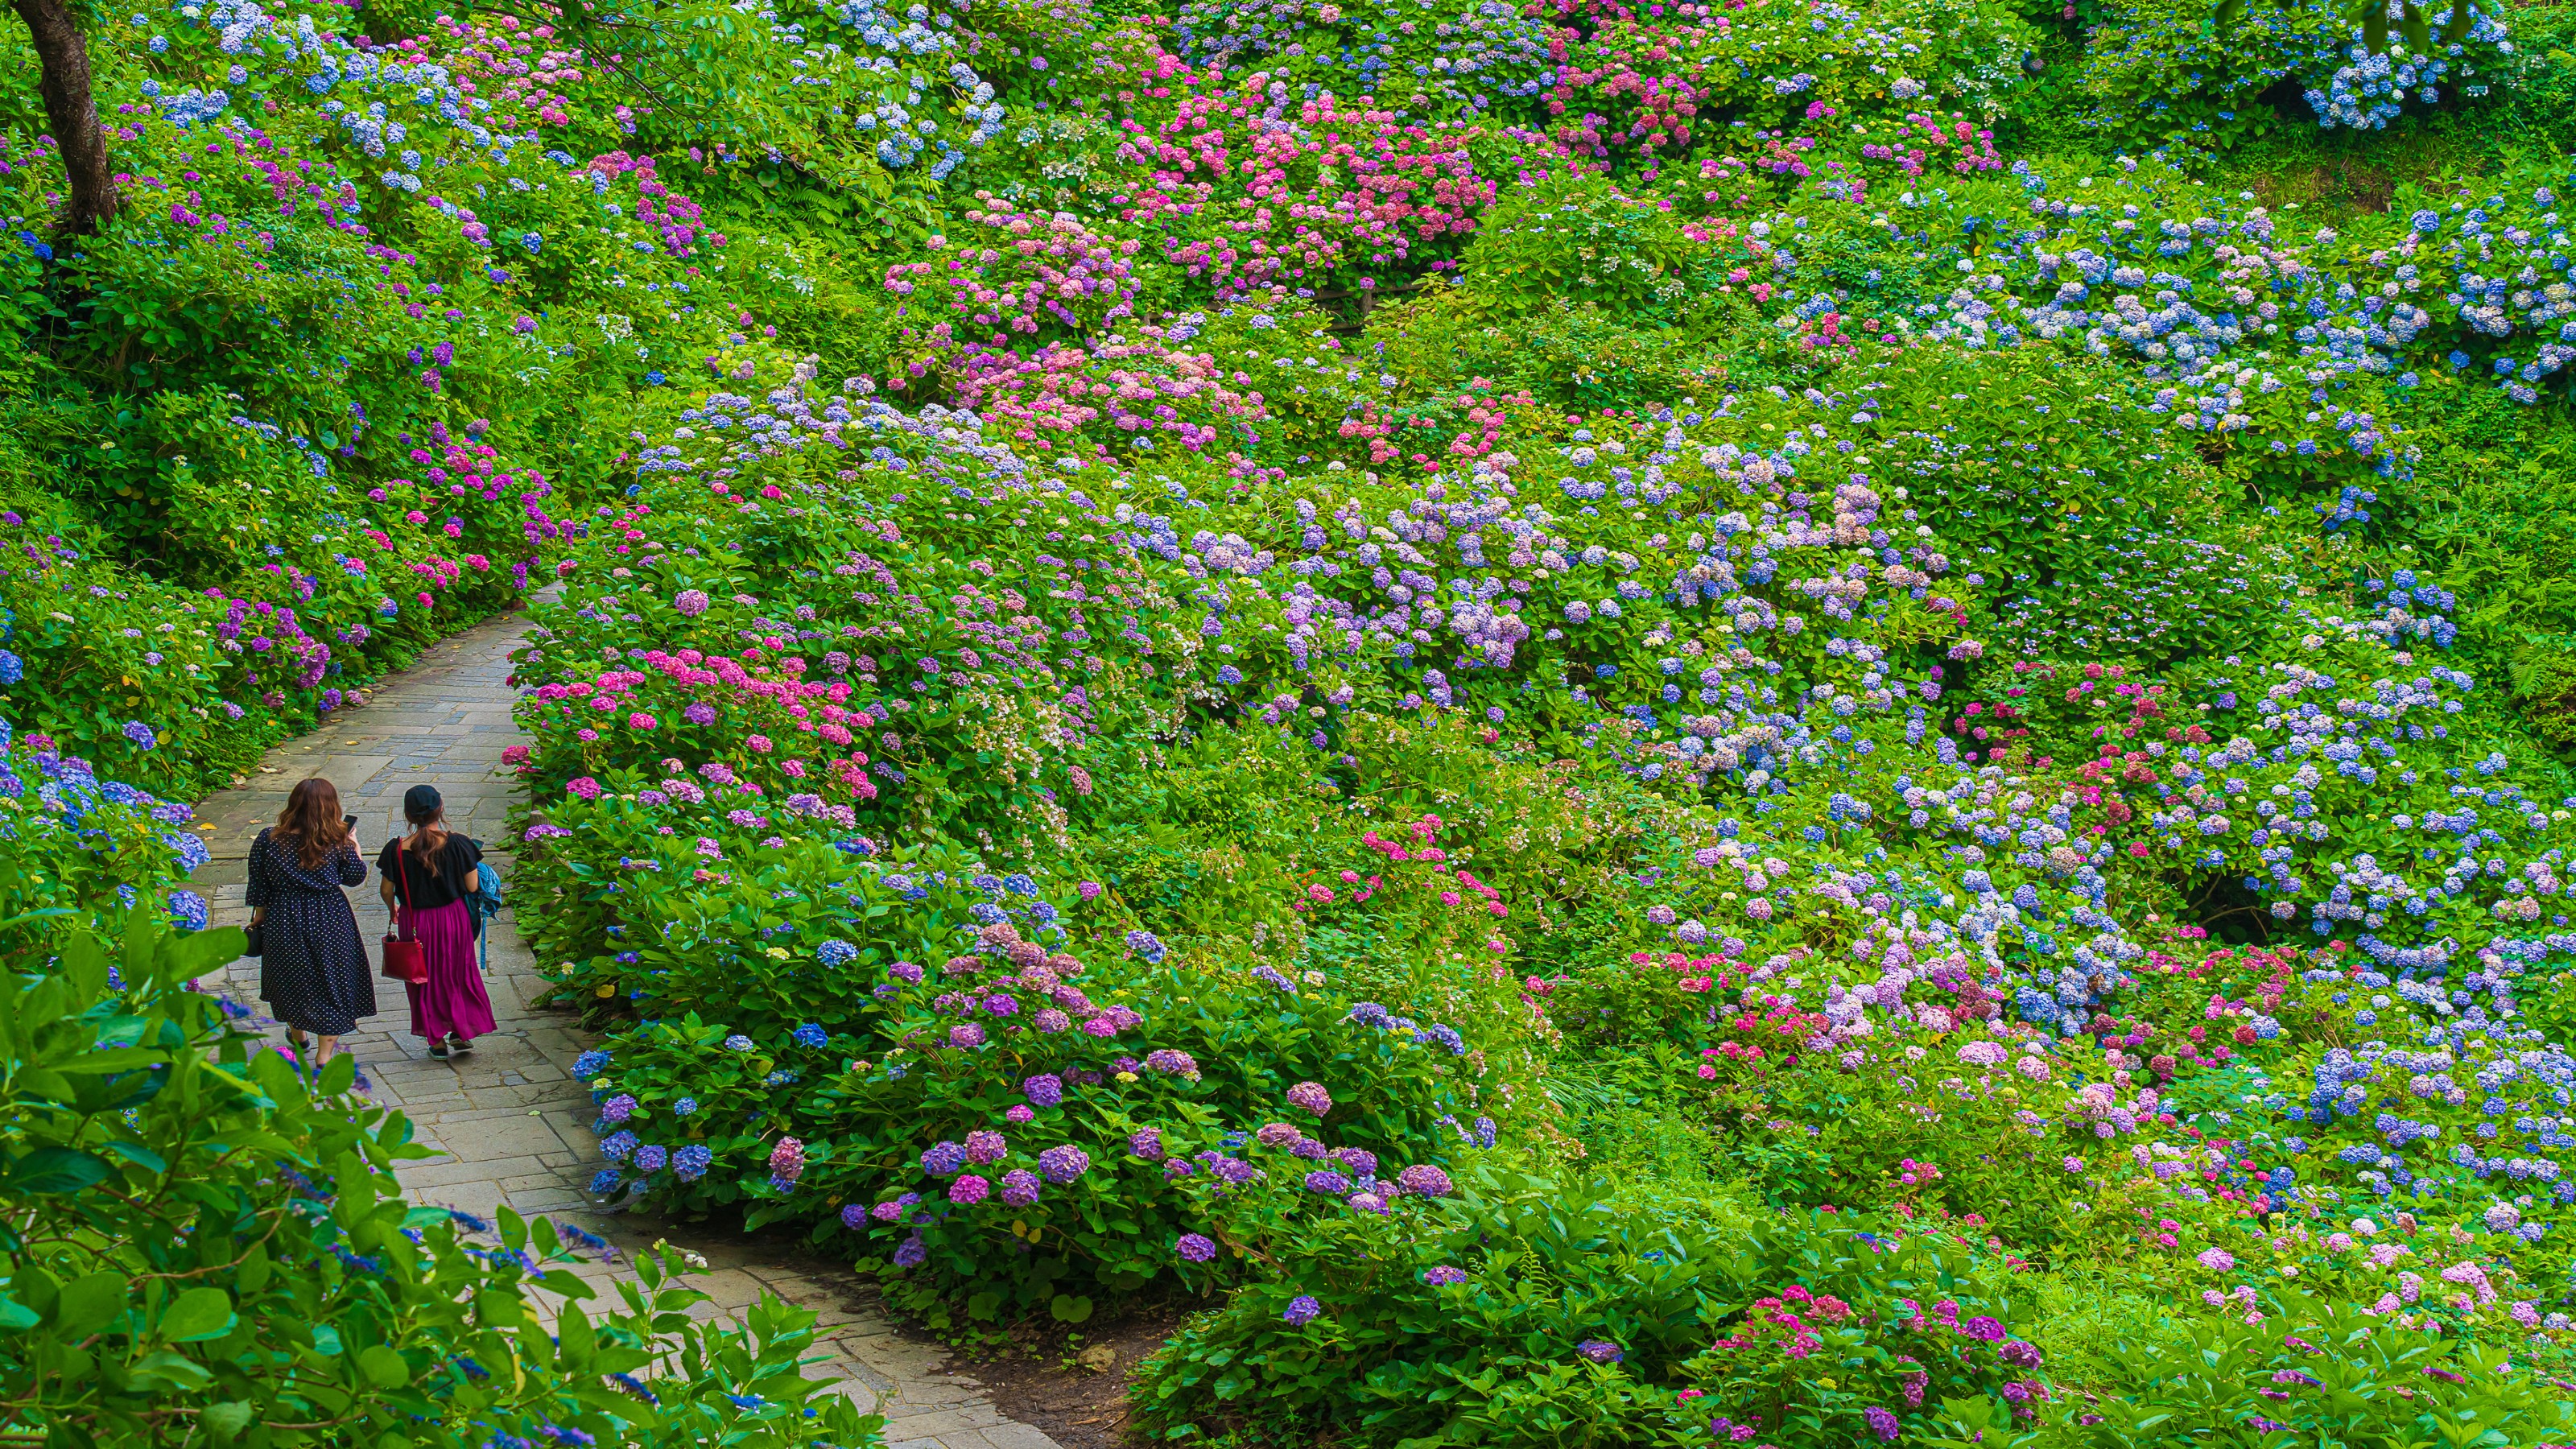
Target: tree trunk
{"points": [[72, 114]]}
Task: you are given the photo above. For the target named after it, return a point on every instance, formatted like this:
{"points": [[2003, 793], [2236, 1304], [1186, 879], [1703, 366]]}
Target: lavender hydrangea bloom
{"points": [[1063, 1164], [1599, 1350], [1312, 1097], [967, 1034], [1146, 1143], [1307, 1148], [942, 1158], [854, 1215], [1302, 1310], [912, 1253], [1443, 1276], [1327, 1183], [649, 1158], [1195, 1248], [1020, 1187], [1045, 1089], [1882, 1422], [1359, 1160], [618, 1108], [984, 1147], [1277, 1134], [1172, 1063], [892, 1212]]}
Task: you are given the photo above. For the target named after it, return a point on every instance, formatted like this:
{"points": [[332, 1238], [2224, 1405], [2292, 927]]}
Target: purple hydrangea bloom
{"points": [[1984, 1330], [1050, 1020], [618, 1108], [1146, 1143], [1063, 1164], [617, 1147], [1366, 1202], [1195, 1248], [1045, 1089], [1330, 1184], [1277, 1134], [1301, 1310], [854, 1215], [1599, 1350], [1307, 1148], [1020, 1187], [1881, 1422], [983, 1147], [1172, 1063], [691, 1162], [1312, 1097], [967, 1034], [892, 1212], [1359, 1160], [1019, 1114], [649, 1158], [942, 1158], [1424, 1179], [912, 1253], [1001, 1003], [1443, 1276]]}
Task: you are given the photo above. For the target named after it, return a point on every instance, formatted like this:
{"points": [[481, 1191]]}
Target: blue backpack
{"points": [[485, 902]]}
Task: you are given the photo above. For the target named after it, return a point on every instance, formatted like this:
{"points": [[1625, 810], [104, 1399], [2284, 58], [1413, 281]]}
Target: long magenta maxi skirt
{"points": [[452, 1002]]}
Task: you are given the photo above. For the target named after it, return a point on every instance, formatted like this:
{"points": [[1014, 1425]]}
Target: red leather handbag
{"points": [[402, 959]]}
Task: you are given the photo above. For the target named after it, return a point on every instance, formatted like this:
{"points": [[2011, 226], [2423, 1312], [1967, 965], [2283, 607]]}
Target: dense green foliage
{"points": [[1774, 722]]}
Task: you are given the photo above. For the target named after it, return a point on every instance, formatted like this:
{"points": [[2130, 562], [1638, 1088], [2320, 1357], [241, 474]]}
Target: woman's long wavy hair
{"points": [[310, 825]]}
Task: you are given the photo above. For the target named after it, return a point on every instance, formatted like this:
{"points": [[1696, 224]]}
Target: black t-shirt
{"points": [[441, 880]]}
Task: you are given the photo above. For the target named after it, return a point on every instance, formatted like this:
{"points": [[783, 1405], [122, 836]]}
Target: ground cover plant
{"points": [[1773, 723]]}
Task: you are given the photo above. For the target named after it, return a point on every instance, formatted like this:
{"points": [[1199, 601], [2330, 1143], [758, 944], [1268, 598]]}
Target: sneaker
{"points": [[438, 1048]]}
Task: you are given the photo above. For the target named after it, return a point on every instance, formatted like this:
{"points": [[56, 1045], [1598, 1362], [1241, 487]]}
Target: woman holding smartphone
{"points": [[312, 965], [425, 877]]}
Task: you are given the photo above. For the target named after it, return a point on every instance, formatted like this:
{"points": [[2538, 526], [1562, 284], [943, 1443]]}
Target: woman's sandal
{"points": [[438, 1048], [301, 1045]]}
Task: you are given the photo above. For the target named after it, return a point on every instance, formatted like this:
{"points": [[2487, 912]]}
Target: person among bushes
{"points": [[426, 876], [313, 966]]}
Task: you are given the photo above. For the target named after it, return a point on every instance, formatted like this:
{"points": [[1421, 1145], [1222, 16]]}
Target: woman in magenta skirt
{"points": [[428, 874]]}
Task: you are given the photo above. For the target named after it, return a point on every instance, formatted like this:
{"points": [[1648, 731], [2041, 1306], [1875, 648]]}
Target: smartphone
{"points": [[350, 820]]}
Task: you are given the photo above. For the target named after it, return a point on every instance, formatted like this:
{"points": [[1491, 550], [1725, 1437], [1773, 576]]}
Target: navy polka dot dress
{"points": [[313, 972]]}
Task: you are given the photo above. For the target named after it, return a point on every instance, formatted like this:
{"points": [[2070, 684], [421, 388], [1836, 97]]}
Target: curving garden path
{"points": [[510, 1123]]}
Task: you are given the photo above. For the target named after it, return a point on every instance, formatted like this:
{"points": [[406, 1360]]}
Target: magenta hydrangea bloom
{"points": [[968, 1190]]}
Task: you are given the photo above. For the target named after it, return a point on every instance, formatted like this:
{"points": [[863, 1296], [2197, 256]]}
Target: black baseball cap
{"points": [[420, 801]]}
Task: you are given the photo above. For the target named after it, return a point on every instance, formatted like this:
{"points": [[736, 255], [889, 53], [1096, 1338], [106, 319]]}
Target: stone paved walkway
{"points": [[511, 1124]]}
